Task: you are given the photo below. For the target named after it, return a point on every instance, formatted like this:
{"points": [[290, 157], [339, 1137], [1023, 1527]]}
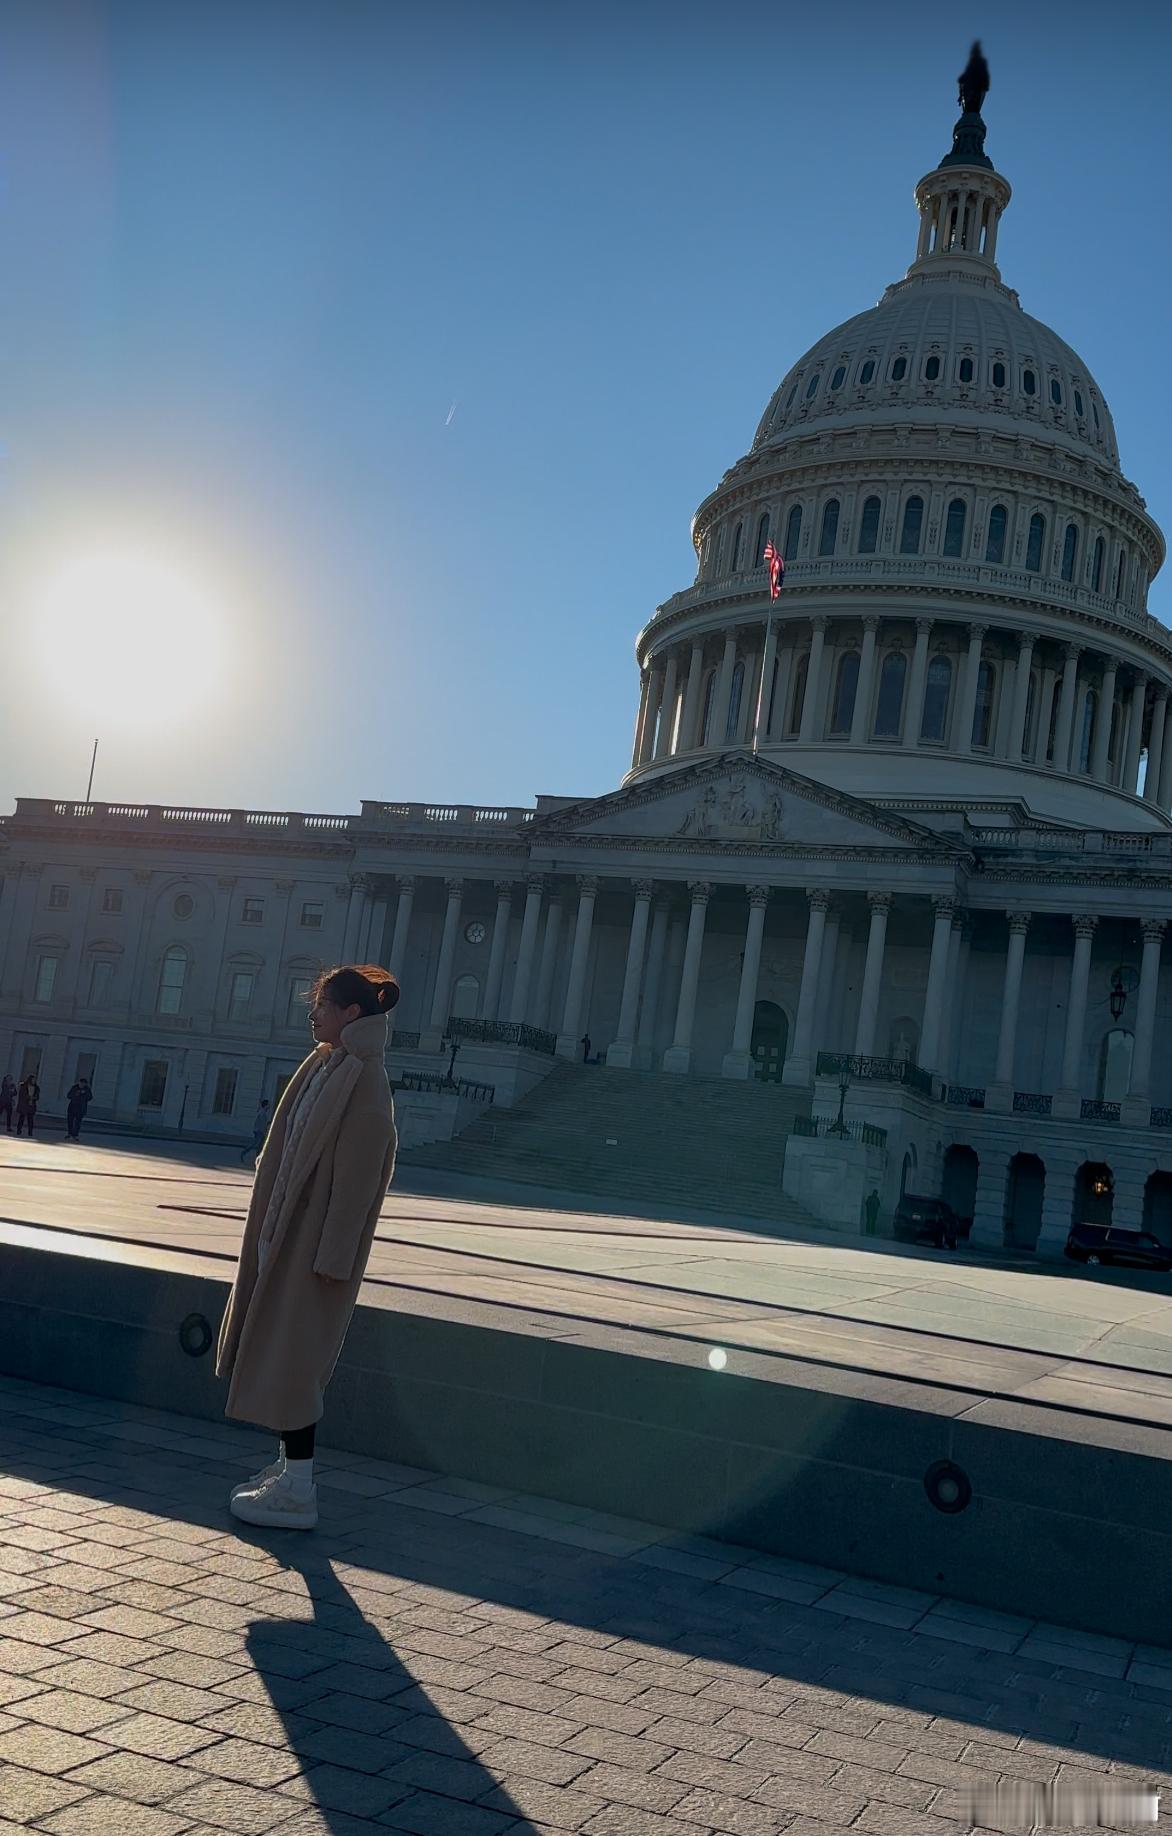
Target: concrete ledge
{"points": [[1068, 1518]]}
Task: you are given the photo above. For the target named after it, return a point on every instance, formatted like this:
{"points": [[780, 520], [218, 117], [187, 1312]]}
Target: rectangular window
{"points": [[30, 1063], [58, 898], [224, 1096], [112, 899], [153, 1087], [86, 1066], [46, 976], [240, 997], [101, 982], [313, 916], [254, 911], [297, 1011]]}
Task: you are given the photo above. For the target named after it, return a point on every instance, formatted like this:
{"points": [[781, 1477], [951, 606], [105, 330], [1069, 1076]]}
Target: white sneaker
{"points": [[272, 1471], [275, 1506]]}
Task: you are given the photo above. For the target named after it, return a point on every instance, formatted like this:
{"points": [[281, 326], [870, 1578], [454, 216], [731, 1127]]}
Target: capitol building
{"points": [[894, 846]]}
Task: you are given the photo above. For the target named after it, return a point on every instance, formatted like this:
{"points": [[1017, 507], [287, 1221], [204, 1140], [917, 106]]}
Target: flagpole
{"points": [[89, 789], [761, 683]]}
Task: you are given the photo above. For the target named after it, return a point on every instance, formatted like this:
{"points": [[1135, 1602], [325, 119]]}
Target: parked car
{"points": [[926, 1220], [1098, 1243]]}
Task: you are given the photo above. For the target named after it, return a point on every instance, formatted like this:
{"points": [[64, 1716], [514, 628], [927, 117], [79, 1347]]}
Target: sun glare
{"points": [[128, 637]]}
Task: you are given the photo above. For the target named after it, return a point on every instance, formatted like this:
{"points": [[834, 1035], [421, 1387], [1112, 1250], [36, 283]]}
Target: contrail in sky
{"points": [[451, 414]]}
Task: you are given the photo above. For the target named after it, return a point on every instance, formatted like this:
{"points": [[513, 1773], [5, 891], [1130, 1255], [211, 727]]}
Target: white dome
{"points": [[935, 342]]}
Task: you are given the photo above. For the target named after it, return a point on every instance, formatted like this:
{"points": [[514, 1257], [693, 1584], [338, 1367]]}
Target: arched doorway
{"points": [[1023, 1201], [1094, 1193], [465, 997], [960, 1182], [770, 1040], [907, 1179], [1158, 1206]]}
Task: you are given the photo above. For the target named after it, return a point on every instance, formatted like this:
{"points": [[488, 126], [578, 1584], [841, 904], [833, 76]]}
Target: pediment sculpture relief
{"points": [[740, 810]]}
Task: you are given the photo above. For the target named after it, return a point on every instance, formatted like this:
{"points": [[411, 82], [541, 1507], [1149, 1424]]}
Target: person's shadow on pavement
{"points": [[362, 1735]]}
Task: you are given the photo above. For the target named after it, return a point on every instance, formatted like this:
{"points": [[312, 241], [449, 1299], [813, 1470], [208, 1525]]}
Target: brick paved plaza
{"points": [[442, 1657]]}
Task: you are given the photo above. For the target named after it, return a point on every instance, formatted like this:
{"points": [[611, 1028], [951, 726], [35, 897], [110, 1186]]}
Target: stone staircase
{"points": [[638, 1137]]}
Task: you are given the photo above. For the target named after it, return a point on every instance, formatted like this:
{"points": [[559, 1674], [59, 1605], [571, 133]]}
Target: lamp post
{"points": [[839, 1126]]}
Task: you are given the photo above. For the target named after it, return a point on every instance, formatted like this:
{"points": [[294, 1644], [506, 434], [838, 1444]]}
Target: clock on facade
{"points": [[475, 933]]}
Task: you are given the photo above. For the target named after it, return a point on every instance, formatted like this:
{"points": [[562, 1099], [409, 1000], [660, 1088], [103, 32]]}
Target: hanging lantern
{"points": [[1118, 997]]}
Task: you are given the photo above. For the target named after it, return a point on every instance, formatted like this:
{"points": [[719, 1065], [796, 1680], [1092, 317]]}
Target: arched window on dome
{"points": [[791, 398], [718, 560], [869, 526], [1113, 734], [1056, 392], [793, 533], [1035, 543], [937, 694], [889, 706], [812, 386], [1031, 715], [762, 538], [839, 377], [983, 710], [738, 543], [998, 524], [736, 696], [1079, 405], [1121, 573], [954, 527], [932, 369], [1095, 413], [829, 533], [867, 373], [913, 520], [1069, 551], [1086, 738], [999, 377], [706, 708], [797, 699], [965, 372], [899, 369], [1097, 565], [846, 686], [1029, 383], [1052, 732]]}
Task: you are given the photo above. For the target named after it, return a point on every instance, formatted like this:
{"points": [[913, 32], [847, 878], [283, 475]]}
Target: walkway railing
{"points": [[444, 1086], [1031, 1103], [965, 1096], [875, 1070], [1091, 1111], [827, 1127], [503, 1032]]}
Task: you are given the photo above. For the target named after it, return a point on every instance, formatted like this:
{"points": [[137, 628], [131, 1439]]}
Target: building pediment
{"points": [[740, 799]]}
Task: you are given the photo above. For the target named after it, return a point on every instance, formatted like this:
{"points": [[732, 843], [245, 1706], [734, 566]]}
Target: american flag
{"points": [[776, 565]]}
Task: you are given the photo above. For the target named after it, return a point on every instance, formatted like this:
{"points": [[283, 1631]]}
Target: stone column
{"points": [[880, 904], [641, 717], [621, 1050], [957, 971], [865, 689], [539, 1012], [722, 695], [1068, 1097], [1070, 655], [678, 1056], [799, 1064], [935, 994], [827, 985], [1136, 1110], [491, 999], [569, 1038], [967, 700], [442, 989], [402, 924], [1021, 690], [668, 705], [1166, 770], [988, 1231], [1042, 722], [999, 1094], [519, 1001], [1135, 736], [690, 719], [1156, 748], [654, 698], [1102, 736], [812, 704], [739, 1061], [656, 955], [355, 914], [914, 718]]}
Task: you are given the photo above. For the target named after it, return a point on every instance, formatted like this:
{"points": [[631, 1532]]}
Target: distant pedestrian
{"points": [[28, 1099], [7, 1101], [315, 1203], [585, 1044], [871, 1211], [77, 1101], [260, 1128]]}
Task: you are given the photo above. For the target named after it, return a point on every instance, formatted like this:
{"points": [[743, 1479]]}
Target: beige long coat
{"points": [[284, 1324]]}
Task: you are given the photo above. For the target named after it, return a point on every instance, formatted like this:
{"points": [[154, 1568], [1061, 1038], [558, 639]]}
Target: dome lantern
{"points": [[962, 201]]}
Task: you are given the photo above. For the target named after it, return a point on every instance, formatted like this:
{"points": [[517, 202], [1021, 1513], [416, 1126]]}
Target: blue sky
{"points": [[253, 253]]}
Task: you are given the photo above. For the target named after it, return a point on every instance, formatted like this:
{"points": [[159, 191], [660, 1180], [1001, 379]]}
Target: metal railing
{"points": [[965, 1096], [405, 1042], [503, 1032], [875, 1070], [444, 1086], [828, 1129], [1161, 1116], [1031, 1103], [1092, 1111]]}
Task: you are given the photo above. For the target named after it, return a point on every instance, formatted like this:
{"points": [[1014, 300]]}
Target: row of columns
{"points": [[655, 739]]}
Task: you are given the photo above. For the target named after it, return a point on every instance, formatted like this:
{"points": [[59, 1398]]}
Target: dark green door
{"points": [[770, 1039]]}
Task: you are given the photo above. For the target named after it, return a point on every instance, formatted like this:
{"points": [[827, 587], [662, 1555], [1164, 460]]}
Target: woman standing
{"points": [[320, 1181]]}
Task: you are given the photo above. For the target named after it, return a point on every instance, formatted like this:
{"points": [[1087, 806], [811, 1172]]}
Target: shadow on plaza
{"points": [[365, 1548]]}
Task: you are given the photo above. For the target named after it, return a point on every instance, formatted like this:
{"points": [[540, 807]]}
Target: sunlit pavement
{"points": [[1049, 1334]]}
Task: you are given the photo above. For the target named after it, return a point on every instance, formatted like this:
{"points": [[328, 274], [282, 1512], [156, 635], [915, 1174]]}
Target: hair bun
{"points": [[388, 994]]}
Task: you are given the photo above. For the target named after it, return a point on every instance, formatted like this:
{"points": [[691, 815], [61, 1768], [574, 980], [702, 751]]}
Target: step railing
{"points": [[829, 1129], [865, 1070], [503, 1032]]}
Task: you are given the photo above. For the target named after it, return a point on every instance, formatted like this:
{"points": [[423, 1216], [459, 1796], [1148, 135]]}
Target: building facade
{"points": [[906, 824]]}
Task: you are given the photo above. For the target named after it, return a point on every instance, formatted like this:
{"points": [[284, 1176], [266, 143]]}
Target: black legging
{"points": [[298, 1442]]}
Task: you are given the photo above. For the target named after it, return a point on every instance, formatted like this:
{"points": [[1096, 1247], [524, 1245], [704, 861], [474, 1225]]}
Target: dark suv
{"points": [[1096, 1243], [926, 1220]]}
